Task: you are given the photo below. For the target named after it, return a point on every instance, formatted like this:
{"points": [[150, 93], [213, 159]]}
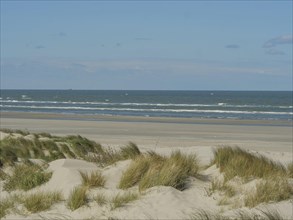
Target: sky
{"points": [[148, 45]]}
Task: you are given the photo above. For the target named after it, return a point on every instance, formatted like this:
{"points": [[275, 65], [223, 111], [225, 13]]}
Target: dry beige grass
{"points": [[240, 215], [77, 198], [94, 179], [5, 204], [101, 199], [135, 171], [154, 170], [41, 201], [173, 171], [237, 162], [272, 189], [120, 200], [290, 169]]}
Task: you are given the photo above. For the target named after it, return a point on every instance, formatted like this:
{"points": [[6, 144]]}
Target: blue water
{"points": [[196, 104]]}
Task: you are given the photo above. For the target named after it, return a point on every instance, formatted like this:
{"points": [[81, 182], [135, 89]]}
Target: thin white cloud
{"points": [[177, 67], [273, 51], [283, 39], [151, 67]]}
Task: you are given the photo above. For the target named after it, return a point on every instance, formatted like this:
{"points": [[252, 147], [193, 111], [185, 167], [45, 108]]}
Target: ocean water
{"points": [[196, 104]]}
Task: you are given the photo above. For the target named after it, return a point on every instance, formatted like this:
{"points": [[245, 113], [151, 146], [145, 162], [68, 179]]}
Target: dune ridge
{"points": [[207, 191]]}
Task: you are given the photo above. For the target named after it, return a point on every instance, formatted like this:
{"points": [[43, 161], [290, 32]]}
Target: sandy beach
{"points": [[262, 135], [272, 139]]}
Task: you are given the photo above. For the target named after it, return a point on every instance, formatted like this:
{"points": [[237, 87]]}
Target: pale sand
{"points": [[274, 139], [160, 132]]}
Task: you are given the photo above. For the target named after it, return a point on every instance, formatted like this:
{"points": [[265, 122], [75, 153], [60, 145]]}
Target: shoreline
{"points": [[120, 118], [158, 133]]}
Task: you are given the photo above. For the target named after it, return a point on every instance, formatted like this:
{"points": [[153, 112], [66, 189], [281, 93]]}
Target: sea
{"points": [[263, 105]]}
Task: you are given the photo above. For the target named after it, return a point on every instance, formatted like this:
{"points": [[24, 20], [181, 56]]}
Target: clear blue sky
{"points": [[186, 45]]}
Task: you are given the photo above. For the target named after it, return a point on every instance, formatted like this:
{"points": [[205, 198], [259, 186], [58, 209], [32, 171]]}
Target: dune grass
{"points": [[53, 147], [135, 171], [26, 177], [106, 157], [225, 187], [290, 170], [154, 170], [66, 151], [120, 200], [16, 131], [41, 201], [272, 189], [73, 146], [129, 151], [206, 215], [5, 204], [239, 215], [173, 171], [44, 134], [77, 198], [94, 179], [81, 145], [237, 162], [274, 184], [101, 199], [3, 175], [13, 148]]}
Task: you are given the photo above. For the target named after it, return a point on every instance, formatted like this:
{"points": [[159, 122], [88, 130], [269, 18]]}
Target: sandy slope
{"points": [[272, 140], [155, 203]]}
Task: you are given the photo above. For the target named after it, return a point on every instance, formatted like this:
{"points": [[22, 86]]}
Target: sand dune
{"points": [[158, 202]]}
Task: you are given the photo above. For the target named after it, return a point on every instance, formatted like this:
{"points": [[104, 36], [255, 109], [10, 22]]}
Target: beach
{"points": [[153, 132], [272, 139]]}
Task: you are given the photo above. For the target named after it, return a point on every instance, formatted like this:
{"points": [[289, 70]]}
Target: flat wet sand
{"points": [[159, 132]]}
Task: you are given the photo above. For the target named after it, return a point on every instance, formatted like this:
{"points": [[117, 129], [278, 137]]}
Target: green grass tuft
{"points": [[94, 179], [65, 150], [26, 177], [41, 201], [77, 198], [81, 145]]}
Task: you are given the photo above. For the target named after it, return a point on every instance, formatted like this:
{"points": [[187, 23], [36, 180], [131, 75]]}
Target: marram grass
{"points": [[290, 170], [173, 171], [77, 198], [101, 199], [93, 179], [130, 151], [26, 177], [41, 201], [5, 204], [135, 172], [152, 170], [237, 162], [239, 215], [120, 200], [273, 189]]}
